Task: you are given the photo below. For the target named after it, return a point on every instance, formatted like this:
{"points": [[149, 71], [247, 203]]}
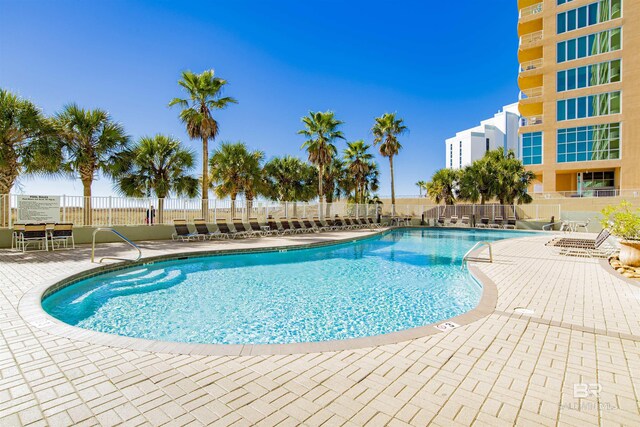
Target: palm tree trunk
{"points": [[205, 179], [233, 206], [320, 192], [161, 210], [7, 179], [393, 191], [88, 214]]}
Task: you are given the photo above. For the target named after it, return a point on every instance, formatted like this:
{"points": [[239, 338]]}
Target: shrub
{"points": [[622, 221]]}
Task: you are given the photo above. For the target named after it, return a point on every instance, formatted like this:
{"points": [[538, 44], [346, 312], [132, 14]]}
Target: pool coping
{"points": [[30, 309]]}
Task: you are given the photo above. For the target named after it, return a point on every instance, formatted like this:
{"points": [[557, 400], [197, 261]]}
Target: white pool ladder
{"points": [[466, 258], [93, 245]]}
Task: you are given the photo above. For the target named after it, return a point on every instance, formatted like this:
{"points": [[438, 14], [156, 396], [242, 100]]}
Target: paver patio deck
{"points": [[502, 369]]}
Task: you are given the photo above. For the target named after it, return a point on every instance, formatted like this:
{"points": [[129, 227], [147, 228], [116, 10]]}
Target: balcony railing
{"points": [[531, 38], [531, 121], [531, 65], [531, 93], [531, 10]]}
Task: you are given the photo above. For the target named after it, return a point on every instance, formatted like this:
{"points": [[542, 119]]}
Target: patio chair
{"points": [[441, 221], [331, 224], [223, 227], [61, 235], [465, 220], [33, 233], [320, 226], [484, 222], [286, 227], [372, 223], [497, 222], [453, 220], [259, 230], [582, 224], [297, 225], [273, 227], [511, 222], [182, 231], [17, 230], [583, 247], [241, 230], [310, 226], [341, 223], [203, 231]]}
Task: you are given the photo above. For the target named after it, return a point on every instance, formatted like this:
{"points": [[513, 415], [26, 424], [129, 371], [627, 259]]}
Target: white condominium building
{"points": [[499, 131]]}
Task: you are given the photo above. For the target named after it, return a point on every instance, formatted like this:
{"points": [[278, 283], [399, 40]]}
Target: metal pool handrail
{"points": [[93, 245], [484, 242]]}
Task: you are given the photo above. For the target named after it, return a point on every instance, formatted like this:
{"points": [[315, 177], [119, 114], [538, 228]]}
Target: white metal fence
{"points": [[119, 211]]}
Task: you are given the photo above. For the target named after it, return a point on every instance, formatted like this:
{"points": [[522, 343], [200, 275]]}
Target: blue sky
{"points": [[443, 66]]}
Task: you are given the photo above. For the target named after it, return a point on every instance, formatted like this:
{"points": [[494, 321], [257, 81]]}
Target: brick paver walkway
{"points": [[503, 369]]}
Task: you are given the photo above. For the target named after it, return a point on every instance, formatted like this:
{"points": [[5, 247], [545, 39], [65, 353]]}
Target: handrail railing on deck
{"points": [[93, 245], [466, 258]]}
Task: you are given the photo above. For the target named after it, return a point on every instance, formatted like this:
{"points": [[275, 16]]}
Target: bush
{"points": [[622, 221]]}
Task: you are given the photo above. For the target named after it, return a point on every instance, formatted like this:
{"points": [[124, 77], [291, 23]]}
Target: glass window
{"points": [[582, 47], [561, 81], [593, 13], [561, 114], [615, 71], [582, 17], [571, 109], [616, 9], [532, 148], [582, 107], [615, 39], [614, 103], [571, 49], [561, 53], [571, 20], [596, 142], [571, 79], [561, 23], [582, 77]]}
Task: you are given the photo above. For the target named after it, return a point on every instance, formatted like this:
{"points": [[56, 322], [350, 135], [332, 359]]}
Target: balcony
{"points": [[530, 39], [531, 65], [531, 10], [531, 121], [530, 93]]}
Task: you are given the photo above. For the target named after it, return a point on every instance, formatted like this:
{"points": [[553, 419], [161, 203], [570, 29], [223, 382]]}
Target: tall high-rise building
{"points": [[580, 94], [469, 145]]}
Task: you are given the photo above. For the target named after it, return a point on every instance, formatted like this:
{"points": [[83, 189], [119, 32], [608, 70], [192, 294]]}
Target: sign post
{"points": [[38, 209]]}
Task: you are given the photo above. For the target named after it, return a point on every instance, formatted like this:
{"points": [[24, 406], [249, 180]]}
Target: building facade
{"points": [[580, 94], [499, 131]]}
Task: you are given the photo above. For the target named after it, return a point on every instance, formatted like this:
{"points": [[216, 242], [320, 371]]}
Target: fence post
{"points": [[215, 210], [10, 212], [110, 212], [304, 210]]}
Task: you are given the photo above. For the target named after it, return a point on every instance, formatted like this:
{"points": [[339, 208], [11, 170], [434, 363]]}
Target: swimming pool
{"points": [[395, 281]]}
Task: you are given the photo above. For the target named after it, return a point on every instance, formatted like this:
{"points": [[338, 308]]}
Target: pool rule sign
{"points": [[37, 209]]}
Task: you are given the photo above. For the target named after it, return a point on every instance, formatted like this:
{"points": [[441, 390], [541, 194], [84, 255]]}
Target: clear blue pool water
{"points": [[400, 280]]}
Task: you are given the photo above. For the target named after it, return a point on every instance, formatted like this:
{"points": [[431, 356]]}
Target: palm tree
{"points": [[477, 181], [510, 178], [336, 183], [90, 142], [158, 165], [321, 129], [422, 185], [289, 179], [385, 132], [26, 145], [358, 163], [442, 187], [236, 170], [204, 95]]}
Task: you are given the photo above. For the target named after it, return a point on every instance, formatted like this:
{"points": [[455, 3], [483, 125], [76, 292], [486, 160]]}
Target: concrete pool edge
{"points": [[30, 309]]}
